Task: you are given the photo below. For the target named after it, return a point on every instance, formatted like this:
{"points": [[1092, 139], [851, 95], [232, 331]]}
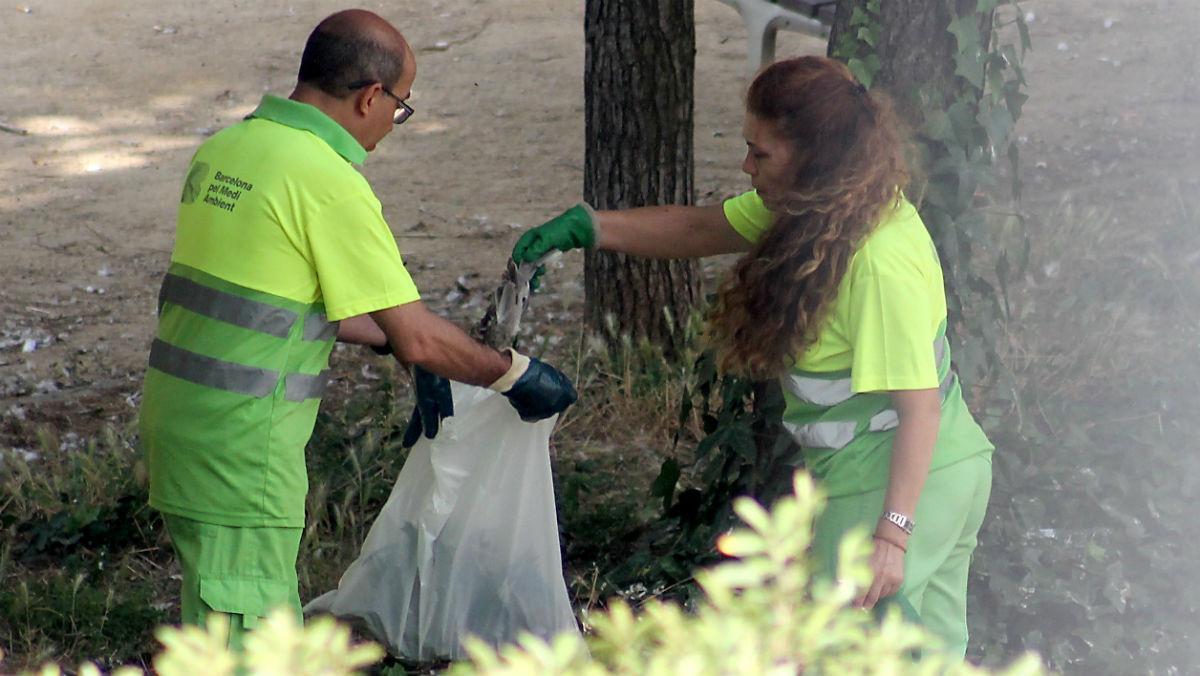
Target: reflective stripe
{"points": [[836, 435], [226, 307], [301, 386], [885, 420], [833, 435], [210, 372], [317, 327], [818, 391]]}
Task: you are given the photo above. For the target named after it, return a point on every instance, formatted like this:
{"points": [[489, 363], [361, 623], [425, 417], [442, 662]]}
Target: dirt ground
{"points": [[116, 95]]}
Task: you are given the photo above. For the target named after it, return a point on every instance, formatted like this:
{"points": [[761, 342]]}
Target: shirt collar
{"points": [[310, 118]]}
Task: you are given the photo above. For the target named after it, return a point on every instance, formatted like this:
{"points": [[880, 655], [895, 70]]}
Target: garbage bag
{"points": [[467, 543]]}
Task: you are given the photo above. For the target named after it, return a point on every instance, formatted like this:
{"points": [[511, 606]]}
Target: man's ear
{"points": [[364, 98]]}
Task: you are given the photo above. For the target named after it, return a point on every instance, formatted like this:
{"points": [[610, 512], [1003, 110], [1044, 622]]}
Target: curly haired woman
{"points": [[841, 297]]}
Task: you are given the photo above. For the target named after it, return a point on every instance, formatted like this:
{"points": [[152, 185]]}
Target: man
{"points": [[278, 238]]}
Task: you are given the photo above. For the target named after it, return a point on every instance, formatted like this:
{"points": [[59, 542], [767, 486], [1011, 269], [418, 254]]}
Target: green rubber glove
{"points": [[574, 228]]}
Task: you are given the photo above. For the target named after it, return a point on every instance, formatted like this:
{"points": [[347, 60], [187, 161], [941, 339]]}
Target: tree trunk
{"points": [[638, 77]]}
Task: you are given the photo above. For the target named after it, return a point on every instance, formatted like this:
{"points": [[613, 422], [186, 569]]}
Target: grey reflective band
{"points": [[210, 372], [317, 327], [836, 434], [301, 386], [831, 434], [885, 420], [226, 307], [818, 391]]}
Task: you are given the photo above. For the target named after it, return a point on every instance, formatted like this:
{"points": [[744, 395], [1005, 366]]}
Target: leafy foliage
{"points": [[762, 613], [962, 143], [280, 646]]}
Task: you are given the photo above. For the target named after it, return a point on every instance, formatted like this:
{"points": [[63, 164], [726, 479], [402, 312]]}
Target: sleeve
{"points": [[357, 261], [748, 215], [891, 334]]}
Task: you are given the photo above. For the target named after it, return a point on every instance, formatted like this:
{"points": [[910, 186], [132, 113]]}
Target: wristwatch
{"points": [[903, 522]]}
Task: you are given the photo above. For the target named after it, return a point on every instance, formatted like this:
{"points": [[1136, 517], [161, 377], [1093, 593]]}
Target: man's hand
{"points": [[573, 229], [433, 404], [536, 389]]}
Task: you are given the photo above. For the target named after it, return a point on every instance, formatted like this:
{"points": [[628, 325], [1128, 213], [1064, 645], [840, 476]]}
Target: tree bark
{"points": [[915, 49], [638, 83]]}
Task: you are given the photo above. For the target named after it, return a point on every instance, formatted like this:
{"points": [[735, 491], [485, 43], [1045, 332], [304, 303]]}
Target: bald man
{"points": [[281, 248]]}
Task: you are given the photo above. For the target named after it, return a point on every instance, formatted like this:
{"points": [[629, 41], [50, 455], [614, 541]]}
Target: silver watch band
{"points": [[903, 522]]}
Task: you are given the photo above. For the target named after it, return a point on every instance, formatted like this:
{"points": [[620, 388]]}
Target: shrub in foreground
{"points": [[762, 613]]}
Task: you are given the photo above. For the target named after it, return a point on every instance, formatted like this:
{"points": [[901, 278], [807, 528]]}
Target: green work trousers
{"points": [[242, 574], [949, 515]]}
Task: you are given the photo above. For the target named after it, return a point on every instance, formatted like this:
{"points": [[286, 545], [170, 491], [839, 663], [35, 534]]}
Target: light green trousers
{"points": [[240, 573], [949, 515]]}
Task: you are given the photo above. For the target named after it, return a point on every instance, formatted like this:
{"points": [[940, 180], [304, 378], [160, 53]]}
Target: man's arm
{"points": [[361, 330], [420, 337]]}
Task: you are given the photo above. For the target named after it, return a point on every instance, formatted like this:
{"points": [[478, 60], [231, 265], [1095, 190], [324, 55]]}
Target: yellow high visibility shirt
{"points": [[879, 334], [274, 203]]}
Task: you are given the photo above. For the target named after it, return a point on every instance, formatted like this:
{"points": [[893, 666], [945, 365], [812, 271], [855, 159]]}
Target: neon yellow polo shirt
{"points": [[277, 206], [889, 309], [271, 205]]}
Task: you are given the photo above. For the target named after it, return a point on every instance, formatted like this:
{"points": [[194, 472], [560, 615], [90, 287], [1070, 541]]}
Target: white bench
{"points": [[763, 18]]}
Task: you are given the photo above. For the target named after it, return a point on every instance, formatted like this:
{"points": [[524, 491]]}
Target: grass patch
{"points": [[81, 560]]}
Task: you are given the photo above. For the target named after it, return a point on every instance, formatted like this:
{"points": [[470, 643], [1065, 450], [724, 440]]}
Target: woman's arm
{"points": [[668, 232], [920, 414], [650, 232]]}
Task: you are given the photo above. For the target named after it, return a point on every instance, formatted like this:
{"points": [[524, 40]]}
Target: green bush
{"points": [[762, 613]]}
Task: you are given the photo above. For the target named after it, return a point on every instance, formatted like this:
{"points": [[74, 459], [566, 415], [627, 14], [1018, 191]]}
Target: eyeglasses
{"points": [[403, 110]]}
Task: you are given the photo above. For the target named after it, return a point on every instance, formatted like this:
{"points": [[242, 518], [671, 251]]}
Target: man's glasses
{"points": [[403, 110]]}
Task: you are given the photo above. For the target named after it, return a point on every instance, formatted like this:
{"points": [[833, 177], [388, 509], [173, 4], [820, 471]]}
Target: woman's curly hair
{"points": [[849, 167]]}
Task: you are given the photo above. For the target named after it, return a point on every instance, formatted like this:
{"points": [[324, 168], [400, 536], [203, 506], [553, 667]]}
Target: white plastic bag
{"points": [[467, 543]]}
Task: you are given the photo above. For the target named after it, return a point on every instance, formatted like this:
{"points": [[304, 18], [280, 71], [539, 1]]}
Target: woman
{"points": [[840, 296]]}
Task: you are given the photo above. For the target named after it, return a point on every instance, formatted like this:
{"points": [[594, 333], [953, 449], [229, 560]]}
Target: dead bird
{"points": [[500, 323]]}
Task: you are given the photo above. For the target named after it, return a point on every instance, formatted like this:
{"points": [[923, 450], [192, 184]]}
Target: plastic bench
{"points": [[764, 17]]}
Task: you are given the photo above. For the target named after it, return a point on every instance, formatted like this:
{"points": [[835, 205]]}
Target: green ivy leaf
{"points": [[861, 72], [939, 127], [664, 484], [1023, 29], [966, 33], [710, 442], [998, 123], [1011, 60], [741, 441], [1014, 98], [869, 35], [969, 65]]}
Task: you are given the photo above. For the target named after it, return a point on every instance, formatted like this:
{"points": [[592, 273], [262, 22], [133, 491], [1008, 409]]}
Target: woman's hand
{"points": [[887, 568], [574, 228]]}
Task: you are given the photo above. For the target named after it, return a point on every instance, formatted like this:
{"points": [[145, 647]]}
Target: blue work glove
{"points": [[433, 404], [536, 389]]}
